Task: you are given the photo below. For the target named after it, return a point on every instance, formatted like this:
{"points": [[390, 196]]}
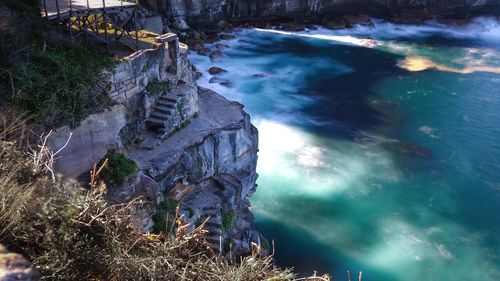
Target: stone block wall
{"points": [[123, 123], [164, 62]]}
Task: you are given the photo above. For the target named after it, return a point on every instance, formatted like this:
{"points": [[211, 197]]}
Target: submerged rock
{"points": [[216, 55], [220, 81], [222, 46]]}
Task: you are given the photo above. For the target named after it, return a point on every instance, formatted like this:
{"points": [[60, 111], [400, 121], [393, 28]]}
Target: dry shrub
{"points": [[71, 233]]}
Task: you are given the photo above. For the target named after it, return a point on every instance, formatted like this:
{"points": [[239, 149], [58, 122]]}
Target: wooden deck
{"points": [[60, 9]]}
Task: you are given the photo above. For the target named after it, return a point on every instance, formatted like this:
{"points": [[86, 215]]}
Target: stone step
{"points": [[214, 219], [156, 121], [210, 208], [164, 108], [212, 225], [161, 115], [166, 103], [167, 99], [213, 240], [213, 212]]}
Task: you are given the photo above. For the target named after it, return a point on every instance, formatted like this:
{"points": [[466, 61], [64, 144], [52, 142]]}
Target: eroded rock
{"points": [[216, 70], [14, 267]]}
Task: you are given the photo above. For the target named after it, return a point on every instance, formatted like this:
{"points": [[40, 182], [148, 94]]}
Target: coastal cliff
{"points": [[192, 147], [199, 13]]}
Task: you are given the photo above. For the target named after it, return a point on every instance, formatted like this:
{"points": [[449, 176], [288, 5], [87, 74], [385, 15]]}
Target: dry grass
{"points": [[70, 233]]}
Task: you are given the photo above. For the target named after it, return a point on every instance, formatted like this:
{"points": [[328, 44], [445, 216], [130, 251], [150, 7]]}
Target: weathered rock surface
{"points": [[209, 167], [199, 13], [14, 267], [205, 158], [154, 24], [89, 142]]}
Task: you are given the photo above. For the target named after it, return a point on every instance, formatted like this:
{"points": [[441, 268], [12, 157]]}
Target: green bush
{"points": [[119, 168], [156, 88], [62, 84], [55, 82], [165, 216]]}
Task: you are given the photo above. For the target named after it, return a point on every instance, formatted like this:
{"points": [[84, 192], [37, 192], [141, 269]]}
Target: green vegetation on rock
{"points": [[227, 221], [71, 233], [55, 82], [165, 216], [156, 88], [119, 168]]}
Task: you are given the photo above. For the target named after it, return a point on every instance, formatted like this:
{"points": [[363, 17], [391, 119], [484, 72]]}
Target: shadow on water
{"points": [[343, 96], [341, 80], [303, 252]]}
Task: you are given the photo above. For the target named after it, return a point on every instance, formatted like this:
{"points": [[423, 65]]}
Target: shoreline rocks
{"points": [[16, 267], [214, 70]]}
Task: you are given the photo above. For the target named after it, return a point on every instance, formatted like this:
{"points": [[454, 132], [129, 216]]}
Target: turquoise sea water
{"points": [[366, 166]]}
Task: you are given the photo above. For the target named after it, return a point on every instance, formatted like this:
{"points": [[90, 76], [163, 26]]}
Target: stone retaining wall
{"points": [[132, 75]]}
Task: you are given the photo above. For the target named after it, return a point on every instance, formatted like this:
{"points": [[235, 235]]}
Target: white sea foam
{"points": [[347, 177], [341, 39]]}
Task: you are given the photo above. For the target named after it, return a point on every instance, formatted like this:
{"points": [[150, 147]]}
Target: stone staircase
{"points": [[213, 226], [163, 113]]}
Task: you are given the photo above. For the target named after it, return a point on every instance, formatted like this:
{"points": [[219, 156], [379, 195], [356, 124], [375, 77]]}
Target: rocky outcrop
{"points": [[14, 267], [89, 141], [198, 13], [209, 167], [190, 144], [136, 84]]}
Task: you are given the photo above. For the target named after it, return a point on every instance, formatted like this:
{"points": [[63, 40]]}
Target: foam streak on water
{"points": [[365, 165]]}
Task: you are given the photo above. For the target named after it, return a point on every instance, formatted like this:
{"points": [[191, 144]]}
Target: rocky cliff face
{"points": [[201, 12], [209, 167], [191, 145]]}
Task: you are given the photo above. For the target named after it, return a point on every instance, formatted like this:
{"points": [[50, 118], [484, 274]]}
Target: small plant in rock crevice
{"points": [[227, 221], [119, 168], [164, 218], [155, 88]]}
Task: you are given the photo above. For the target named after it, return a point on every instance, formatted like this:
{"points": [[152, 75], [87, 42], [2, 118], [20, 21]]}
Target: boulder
{"points": [[180, 24], [16, 267], [335, 24], [352, 20], [197, 75], [215, 55], [216, 70], [154, 24], [222, 46], [293, 26], [220, 81], [259, 75], [204, 52], [89, 142], [227, 36]]}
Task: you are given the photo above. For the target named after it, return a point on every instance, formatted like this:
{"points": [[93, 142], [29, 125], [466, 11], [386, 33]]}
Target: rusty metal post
{"points": [[70, 19], [105, 24], [135, 26], [58, 12], [45, 9], [88, 22]]}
